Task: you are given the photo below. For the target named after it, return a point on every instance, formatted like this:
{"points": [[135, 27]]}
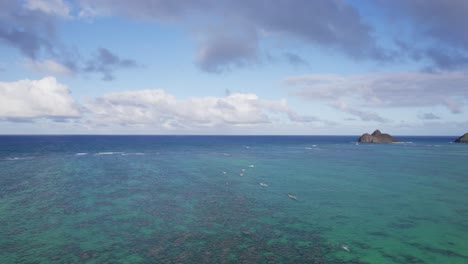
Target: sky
{"points": [[234, 67]]}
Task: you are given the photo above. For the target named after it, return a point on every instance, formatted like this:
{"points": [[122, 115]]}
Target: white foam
{"points": [[345, 247], [134, 154], [17, 158], [108, 153], [81, 153], [251, 166]]}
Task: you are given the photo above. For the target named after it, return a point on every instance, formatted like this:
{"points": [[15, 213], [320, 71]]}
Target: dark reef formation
{"points": [[377, 137], [462, 139]]}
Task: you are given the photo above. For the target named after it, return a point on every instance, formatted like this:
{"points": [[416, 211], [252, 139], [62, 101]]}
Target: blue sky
{"points": [[233, 67]]}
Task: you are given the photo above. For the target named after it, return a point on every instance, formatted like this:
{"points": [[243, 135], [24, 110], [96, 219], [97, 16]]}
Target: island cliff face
{"points": [[377, 137], [462, 139]]}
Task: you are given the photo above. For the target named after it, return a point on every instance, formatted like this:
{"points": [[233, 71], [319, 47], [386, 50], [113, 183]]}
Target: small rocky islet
{"points": [[377, 137], [462, 139]]}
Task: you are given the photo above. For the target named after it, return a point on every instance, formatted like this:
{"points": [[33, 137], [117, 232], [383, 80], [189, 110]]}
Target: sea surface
{"points": [[232, 199]]}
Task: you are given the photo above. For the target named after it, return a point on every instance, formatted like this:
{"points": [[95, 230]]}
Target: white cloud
{"points": [[144, 110], [49, 67], [51, 7], [386, 90], [363, 115], [159, 109], [29, 99]]}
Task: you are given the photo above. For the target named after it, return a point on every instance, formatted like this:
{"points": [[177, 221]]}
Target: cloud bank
{"points": [[230, 33], [29, 100], [338, 26], [334, 25], [159, 109], [384, 90], [46, 101]]}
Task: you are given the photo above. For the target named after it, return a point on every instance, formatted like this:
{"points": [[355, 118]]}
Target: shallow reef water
{"points": [[198, 199]]}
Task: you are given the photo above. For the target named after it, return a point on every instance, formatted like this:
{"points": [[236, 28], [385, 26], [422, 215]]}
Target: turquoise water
{"points": [[177, 199]]}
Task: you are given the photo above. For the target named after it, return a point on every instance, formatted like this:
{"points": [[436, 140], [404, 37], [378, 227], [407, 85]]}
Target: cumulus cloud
{"points": [[31, 99], [386, 90], [26, 101], [163, 109], [159, 109]]}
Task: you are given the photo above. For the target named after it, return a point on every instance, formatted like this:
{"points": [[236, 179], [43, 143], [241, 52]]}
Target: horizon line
{"points": [[225, 135]]}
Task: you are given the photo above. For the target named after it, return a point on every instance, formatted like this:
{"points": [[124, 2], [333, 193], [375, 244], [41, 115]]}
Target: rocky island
{"points": [[377, 137], [462, 139]]}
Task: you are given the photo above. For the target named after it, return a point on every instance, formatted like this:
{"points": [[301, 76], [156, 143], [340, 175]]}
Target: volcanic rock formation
{"points": [[462, 139], [376, 137]]}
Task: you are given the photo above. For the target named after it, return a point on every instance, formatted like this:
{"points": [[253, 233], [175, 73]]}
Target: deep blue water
{"points": [[228, 199]]}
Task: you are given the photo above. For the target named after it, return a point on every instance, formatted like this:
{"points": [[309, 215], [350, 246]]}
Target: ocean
{"points": [[232, 199]]}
